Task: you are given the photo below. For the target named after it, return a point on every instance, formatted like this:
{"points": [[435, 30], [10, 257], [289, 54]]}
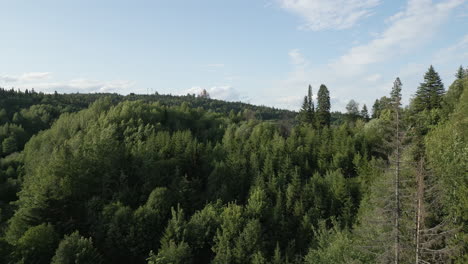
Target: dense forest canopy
{"points": [[106, 178]]}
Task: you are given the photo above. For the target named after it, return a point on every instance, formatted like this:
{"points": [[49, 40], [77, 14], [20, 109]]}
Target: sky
{"points": [[262, 52]]}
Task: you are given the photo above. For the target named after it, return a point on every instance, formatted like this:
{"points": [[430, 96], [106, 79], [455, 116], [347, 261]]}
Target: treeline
{"points": [[165, 179], [15, 100]]}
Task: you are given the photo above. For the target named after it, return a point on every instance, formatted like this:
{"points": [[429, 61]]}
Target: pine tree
{"points": [[303, 112], [430, 92], [365, 112], [460, 73], [323, 106]]}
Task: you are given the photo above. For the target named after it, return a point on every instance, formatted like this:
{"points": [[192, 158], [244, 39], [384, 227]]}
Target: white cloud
{"points": [[225, 92], [351, 75], [290, 102], [8, 79], [297, 59], [33, 76], [373, 77], [82, 86], [330, 14], [458, 51], [25, 77], [40, 81], [412, 69], [215, 65], [408, 30]]}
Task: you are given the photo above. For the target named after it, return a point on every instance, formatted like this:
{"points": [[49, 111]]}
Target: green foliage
{"points": [[352, 110], [452, 98], [201, 228], [172, 253], [75, 249], [307, 112], [461, 73], [332, 246], [430, 92], [364, 113], [225, 239], [9, 145], [447, 153], [37, 245], [258, 258], [167, 179], [323, 106]]}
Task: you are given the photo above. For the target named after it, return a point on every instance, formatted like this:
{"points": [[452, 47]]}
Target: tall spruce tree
{"points": [[323, 106], [430, 92], [306, 114]]}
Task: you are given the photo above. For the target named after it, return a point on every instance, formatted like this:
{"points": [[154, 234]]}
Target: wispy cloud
{"points": [[223, 92], [407, 30], [290, 102], [458, 50], [25, 77], [82, 86], [43, 81], [373, 77], [330, 14], [215, 65], [297, 59]]}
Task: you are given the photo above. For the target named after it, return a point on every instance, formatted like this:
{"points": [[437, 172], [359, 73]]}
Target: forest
{"points": [[163, 179]]}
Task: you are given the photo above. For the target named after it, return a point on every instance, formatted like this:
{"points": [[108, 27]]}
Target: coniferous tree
{"points": [[303, 113], [430, 92], [365, 112], [460, 73], [306, 114], [9, 145], [454, 92], [310, 101], [323, 106]]}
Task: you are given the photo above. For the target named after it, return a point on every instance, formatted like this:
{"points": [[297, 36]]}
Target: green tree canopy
{"points": [[75, 249], [429, 93]]}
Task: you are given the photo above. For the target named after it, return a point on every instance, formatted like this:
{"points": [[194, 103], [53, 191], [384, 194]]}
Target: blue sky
{"points": [[258, 51]]}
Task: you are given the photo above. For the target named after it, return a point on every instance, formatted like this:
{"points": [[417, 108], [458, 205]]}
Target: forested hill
{"points": [[13, 101], [105, 178]]}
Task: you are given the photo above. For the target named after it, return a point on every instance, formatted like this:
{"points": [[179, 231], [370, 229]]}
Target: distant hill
{"points": [[13, 101]]}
